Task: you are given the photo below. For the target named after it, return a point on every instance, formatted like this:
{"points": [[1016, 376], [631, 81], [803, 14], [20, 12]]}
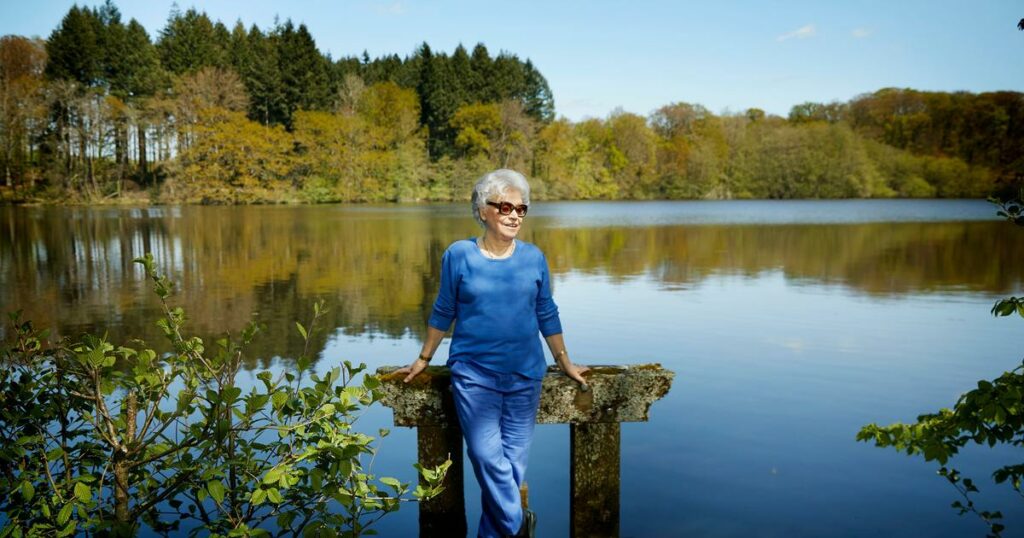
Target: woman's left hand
{"points": [[575, 371]]}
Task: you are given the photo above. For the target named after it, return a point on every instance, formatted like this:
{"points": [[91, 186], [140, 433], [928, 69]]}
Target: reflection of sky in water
{"points": [[756, 437], [585, 214], [662, 213]]}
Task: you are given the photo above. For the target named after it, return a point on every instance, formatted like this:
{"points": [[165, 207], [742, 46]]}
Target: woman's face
{"points": [[498, 226]]}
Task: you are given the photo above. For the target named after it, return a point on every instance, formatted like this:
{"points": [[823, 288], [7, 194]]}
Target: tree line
{"points": [[100, 111]]}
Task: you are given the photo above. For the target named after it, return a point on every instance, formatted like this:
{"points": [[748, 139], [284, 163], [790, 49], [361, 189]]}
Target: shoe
{"points": [[529, 527], [530, 519]]}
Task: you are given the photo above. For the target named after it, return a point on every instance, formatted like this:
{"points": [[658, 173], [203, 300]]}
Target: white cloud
{"points": [[799, 33], [395, 8], [860, 33]]}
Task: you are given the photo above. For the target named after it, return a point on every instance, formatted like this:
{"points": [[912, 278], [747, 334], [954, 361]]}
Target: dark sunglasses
{"points": [[505, 208]]}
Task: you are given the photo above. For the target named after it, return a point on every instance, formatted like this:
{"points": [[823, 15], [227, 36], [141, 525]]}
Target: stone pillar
{"points": [[594, 487], [444, 515]]}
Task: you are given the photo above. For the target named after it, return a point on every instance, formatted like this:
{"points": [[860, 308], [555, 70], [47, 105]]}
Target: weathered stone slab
{"points": [[422, 402], [617, 394]]}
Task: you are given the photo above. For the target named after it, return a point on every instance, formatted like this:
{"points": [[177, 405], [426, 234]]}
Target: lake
{"points": [[789, 324]]}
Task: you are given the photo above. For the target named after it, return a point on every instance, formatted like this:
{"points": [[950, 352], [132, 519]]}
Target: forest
{"points": [[100, 112]]}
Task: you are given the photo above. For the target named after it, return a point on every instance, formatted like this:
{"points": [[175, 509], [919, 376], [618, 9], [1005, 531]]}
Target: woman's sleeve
{"points": [[443, 313], [547, 310]]}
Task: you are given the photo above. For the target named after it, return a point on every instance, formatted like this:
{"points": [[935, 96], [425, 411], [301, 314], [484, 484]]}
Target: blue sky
{"points": [[640, 55]]}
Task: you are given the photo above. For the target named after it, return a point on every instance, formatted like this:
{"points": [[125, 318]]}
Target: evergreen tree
{"points": [[303, 71], [349, 65], [239, 54], [221, 36], [76, 64], [191, 41], [142, 82], [482, 66], [408, 75], [463, 77], [253, 56], [73, 48], [537, 99], [437, 102], [132, 62], [508, 79], [263, 80], [110, 38], [133, 73]]}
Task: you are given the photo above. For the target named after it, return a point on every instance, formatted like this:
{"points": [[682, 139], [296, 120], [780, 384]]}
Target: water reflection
{"points": [[789, 324], [71, 269]]}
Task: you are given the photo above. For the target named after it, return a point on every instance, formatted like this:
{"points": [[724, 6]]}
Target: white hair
{"points": [[497, 183]]}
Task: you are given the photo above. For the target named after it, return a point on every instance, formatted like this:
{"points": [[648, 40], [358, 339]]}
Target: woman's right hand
{"points": [[413, 369]]}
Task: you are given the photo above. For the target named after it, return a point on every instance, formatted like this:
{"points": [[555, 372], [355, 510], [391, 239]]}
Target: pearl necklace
{"points": [[508, 252]]}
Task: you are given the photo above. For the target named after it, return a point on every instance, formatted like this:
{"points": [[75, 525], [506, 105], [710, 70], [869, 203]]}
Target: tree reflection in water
{"points": [[376, 266]]}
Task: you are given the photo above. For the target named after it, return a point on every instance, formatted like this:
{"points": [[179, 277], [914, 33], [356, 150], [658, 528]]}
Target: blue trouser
{"points": [[497, 413]]}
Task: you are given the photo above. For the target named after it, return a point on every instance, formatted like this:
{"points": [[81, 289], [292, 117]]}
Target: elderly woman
{"points": [[497, 290]]}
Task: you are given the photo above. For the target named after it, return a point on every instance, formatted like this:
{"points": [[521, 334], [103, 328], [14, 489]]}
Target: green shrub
{"points": [[99, 438]]}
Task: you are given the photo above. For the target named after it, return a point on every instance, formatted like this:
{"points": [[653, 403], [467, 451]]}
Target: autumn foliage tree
{"points": [[22, 106]]}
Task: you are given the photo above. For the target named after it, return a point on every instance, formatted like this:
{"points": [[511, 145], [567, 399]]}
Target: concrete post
{"points": [[594, 484], [444, 515]]}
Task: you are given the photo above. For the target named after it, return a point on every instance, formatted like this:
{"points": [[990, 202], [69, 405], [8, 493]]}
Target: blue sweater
{"points": [[498, 307]]}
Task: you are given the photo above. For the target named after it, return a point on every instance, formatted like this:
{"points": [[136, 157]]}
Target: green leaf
{"points": [[257, 402], [302, 330], [27, 490], [313, 530], [1004, 307], [394, 483], [64, 514], [258, 496], [279, 398], [231, 394], [83, 492], [284, 521], [266, 378], [216, 489], [274, 496], [273, 475]]}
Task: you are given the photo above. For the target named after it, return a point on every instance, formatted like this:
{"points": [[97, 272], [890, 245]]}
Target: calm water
{"points": [[789, 325]]}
